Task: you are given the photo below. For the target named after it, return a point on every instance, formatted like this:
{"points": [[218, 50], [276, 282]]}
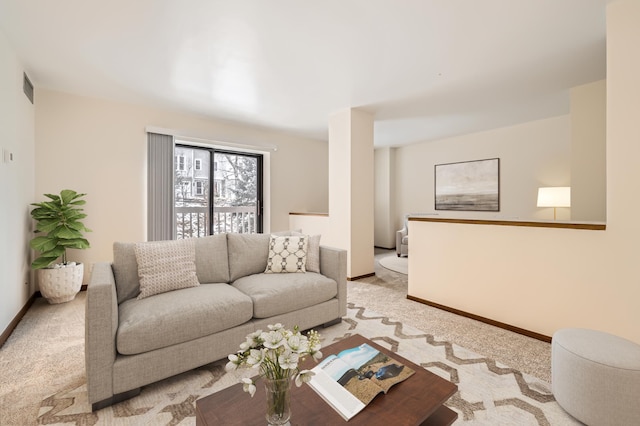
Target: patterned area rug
{"points": [[489, 393]]}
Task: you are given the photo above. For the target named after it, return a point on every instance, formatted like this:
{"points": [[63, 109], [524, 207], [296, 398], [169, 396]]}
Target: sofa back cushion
{"points": [[247, 254], [212, 264], [212, 261], [125, 269]]}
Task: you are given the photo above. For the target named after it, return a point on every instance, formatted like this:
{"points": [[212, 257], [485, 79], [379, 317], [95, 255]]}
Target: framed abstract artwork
{"points": [[468, 186]]}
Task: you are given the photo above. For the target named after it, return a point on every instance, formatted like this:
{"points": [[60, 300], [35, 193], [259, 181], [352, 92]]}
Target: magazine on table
{"points": [[351, 379]]}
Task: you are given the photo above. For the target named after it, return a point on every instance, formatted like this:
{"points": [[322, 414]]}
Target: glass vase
{"points": [[278, 393]]}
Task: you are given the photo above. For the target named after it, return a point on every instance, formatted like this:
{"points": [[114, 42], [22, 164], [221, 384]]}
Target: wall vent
{"points": [[27, 87]]}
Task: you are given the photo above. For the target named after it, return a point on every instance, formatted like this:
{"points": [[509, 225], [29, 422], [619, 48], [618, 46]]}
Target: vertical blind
{"points": [[160, 187]]}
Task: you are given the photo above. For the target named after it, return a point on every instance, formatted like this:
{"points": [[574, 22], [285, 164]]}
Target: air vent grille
{"points": [[27, 87]]}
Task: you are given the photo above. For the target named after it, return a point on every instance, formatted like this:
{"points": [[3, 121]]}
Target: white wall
{"points": [[588, 152], [531, 155], [544, 279], [16, 185], [99, 147]]}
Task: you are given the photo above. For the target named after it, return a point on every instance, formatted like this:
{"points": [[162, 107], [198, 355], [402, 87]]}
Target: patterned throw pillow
{"points": [[287, 254], [166, 266], [313, 252]]}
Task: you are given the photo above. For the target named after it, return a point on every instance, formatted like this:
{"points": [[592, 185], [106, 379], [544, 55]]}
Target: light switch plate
{"points": [[7, 156]]}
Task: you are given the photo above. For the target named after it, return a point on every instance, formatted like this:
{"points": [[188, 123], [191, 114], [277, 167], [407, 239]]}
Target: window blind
{"points": [[160, 191]]}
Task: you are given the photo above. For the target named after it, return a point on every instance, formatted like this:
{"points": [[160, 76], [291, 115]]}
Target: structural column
{"points": [[351, 188], [385, 206]]}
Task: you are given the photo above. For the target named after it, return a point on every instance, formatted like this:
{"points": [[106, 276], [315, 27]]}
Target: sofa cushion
{"points": [[212, 264], [287, 254], [125, 269], [247, 254], [179, 316], [212, 259], [166, 266], [275, 294]]}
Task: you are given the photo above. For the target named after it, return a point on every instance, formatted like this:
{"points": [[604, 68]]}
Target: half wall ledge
{"points": [[592, 226], [308, 214], [508, 273]]}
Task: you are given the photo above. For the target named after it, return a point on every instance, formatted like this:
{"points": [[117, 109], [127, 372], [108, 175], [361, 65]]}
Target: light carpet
{"points": [[395, 263], [43, 380]]}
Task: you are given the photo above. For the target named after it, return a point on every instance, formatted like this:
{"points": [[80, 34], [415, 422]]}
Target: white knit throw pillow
{"points": [[166, 266]]}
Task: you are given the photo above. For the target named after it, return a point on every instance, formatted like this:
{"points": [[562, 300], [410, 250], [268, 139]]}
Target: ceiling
{"points": [[426, 69]]}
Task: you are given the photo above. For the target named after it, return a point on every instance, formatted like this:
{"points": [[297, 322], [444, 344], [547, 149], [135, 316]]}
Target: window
{"points": [[180, 163], [235, 182], [175, 210], [199, 187]]}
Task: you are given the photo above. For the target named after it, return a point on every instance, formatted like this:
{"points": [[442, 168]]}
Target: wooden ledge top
{"points": [[532, 224], [309, 214]]}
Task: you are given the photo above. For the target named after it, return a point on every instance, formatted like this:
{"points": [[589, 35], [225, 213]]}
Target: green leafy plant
{"points": [[60, 219]]}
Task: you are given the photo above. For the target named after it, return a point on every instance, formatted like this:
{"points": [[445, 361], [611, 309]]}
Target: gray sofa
{"points": [[131, 342]]}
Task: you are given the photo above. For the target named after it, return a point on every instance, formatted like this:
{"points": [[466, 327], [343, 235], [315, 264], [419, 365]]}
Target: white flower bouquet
{"points": [[277, 354]]}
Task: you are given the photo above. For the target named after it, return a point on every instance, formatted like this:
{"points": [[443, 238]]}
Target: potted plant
{"points": [[60, 220]]}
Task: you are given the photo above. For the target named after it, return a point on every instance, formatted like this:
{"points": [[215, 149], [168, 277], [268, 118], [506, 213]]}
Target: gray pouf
{"points": [[595, 376]]}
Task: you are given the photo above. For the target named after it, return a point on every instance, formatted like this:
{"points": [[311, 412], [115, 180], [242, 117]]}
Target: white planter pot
{"points": [[60, 285]]}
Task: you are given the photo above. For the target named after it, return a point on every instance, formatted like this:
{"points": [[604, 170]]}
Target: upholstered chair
{"points": [[402, 239]]}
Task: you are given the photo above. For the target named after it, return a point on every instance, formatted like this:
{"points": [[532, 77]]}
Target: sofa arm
{"points": [[333, 264], [101, 324]]}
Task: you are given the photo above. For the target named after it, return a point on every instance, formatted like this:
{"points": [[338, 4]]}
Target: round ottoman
{"points": [[595, 376]]}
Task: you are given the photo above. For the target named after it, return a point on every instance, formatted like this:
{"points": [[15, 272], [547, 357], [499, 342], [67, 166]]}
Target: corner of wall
{"points": [[17, 177]]}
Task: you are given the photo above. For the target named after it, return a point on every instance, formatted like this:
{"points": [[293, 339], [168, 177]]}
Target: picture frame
{"points": [[468, 185]]}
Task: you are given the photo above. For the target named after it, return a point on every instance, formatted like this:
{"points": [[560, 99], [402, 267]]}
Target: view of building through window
{"points": [[235, 182]]}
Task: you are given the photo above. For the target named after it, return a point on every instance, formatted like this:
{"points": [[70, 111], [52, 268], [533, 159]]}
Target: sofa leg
{"points": [[115, 399], [334, 322]]}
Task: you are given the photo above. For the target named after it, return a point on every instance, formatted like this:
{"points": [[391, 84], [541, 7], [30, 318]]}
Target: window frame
{"points": [[212, 182]]}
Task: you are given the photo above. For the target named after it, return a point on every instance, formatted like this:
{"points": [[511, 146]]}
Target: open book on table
{"points": [[351, 379]]}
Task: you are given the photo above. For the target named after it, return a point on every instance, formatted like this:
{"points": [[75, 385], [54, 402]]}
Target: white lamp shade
{"points": [[559, 196]]}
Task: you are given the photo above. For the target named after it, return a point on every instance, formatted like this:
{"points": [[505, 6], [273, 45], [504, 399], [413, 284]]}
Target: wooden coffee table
{"points": [[416, 401]]}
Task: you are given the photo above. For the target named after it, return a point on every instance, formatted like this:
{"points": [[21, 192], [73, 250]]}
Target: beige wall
{"points": [[588, 152], [546, 279], [16, 185], [361, 195], [99, 147], [384, 184], [531, 155]]}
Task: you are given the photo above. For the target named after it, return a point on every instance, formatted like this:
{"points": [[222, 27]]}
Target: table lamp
{"points": [[559, 196]]}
